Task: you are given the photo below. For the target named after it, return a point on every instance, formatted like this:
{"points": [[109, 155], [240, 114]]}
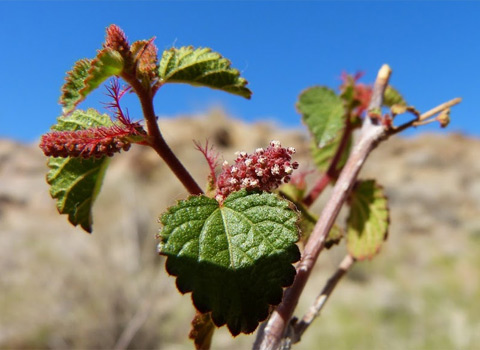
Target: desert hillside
{"points": [[62, 288]]}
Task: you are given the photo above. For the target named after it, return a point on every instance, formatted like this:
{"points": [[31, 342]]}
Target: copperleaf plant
{"points": [[235, 245]]}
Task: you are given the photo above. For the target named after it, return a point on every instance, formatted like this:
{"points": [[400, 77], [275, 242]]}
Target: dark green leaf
{"points": [[201, 67], [368, 220], [323, 112], [76, 182], [235, 257]]}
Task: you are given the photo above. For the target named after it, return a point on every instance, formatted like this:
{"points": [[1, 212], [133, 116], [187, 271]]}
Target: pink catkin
{"points": [[95, 142], [265, 170]]}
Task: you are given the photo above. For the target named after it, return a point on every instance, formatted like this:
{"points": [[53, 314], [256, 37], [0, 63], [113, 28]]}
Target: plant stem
{"points": [[332, 171], [372, 132], [317, 189], [314, 310], [156, 140], [425, 116]]}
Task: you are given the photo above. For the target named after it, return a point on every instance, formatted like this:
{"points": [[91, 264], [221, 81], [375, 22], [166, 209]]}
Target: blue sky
{"points": [[281, 48]]}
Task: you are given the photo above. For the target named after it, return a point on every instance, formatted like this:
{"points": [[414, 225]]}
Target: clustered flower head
{"points": [[264, 170], [95, 142]]}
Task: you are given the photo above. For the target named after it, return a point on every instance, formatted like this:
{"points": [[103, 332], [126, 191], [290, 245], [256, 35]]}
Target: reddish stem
{"points": [[332, 171], [156, 140]]}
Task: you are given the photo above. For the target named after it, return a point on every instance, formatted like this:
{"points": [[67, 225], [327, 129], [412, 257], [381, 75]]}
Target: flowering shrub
{"points": [[233, 245]]}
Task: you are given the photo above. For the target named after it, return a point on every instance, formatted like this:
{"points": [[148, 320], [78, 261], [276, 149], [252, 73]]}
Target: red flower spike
{"points": [[116, 40], [265, 170], [94, 142]]}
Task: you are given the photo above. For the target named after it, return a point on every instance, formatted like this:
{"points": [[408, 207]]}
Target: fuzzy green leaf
{"points": [[235, 257], [201, 67], [368, 220], [76, 182], [393, 97], [74, 82], [323, 112], [87, 75]]}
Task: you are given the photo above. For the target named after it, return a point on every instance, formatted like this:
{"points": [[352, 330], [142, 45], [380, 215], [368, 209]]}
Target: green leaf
{"points": [[87, 75], [235, 257], [393, 97], [334, 236], [201, 67], [292, 192], [324, 156], [368, 220], [323, 112], [76, 182], [74, 82]]}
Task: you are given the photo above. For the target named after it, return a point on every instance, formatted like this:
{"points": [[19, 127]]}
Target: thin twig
{"points": [[372, 132], [134, 325], [314, 310], [440, 108], [414, 122]]}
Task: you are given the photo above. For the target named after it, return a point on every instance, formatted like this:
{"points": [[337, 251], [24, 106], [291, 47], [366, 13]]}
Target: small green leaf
{"points": [[323, 112], [107, 63], [368, 220], [87, 75], [334, 236], [235, 257], [201, 67], [76, 182], [74, 82], [292, 192], [393, 97], [324, 156]]}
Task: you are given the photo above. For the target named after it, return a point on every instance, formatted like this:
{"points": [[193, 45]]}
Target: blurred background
{"points": [[62, 288]]}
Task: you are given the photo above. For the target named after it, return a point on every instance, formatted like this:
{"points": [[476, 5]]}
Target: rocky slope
{"points": [[61, 288]]}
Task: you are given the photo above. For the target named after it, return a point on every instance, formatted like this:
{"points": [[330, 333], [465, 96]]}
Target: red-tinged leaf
{"points": [[74, 82], [144, 53], [87, 75], [107, 63], [117, 40]]}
